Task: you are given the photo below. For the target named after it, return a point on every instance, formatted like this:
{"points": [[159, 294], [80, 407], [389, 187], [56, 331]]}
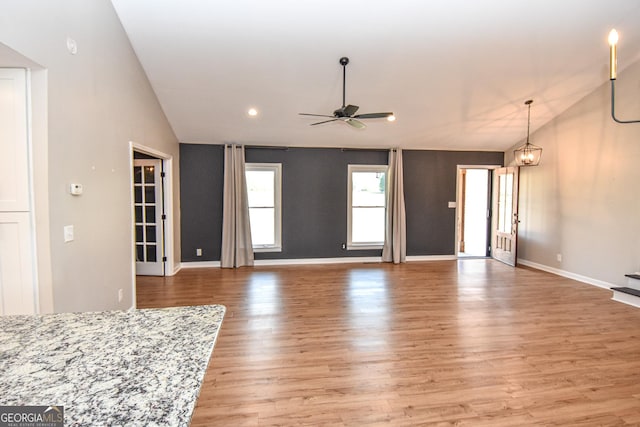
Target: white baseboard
{"points": [[316, 261], [200, 264], [567, 274], [310, 261], [414, 258], [296, 261], [349, 260]]}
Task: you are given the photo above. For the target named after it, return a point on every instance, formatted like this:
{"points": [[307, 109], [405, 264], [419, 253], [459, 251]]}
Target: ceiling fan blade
{"points": [[350, 110], [314, 115], [325, 121], [373, 115], [355, 123], [347, 113]]}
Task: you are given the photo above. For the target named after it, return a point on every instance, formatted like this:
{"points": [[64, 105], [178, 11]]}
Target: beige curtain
{"points": [[237, 250], [395, 240]]}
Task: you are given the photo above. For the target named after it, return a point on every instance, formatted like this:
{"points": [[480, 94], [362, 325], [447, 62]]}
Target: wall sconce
{"points": [[613, 73], [528, 154]]}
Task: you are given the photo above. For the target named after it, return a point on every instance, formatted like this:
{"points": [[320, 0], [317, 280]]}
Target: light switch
{"points": [[68, 233]]}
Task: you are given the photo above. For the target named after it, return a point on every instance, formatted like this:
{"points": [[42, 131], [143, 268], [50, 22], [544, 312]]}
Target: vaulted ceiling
{"points": [[456, 73]]}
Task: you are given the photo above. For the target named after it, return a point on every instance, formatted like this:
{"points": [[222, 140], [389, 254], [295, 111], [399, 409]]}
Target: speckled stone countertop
{"points": [[119, 368]]}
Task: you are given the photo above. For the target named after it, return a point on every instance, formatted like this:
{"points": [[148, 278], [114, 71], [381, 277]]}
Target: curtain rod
{"points": [[286, 148], [368, 149], [270, 147]]}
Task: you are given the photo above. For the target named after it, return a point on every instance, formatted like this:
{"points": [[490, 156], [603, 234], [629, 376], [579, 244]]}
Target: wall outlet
{"points": [[559, 257], [344, 246], [120, 294], [199, 252]]}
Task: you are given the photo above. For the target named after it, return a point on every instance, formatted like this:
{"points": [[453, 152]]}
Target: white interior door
{"points": [[17, 262], [504, 236], [149, 217], [14, 160], [17, 290]]}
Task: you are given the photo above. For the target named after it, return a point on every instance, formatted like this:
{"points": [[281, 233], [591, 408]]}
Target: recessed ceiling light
{"points": [[252, 112], [391, 118]]}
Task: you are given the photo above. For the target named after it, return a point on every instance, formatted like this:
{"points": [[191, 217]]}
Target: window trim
{"points": [[277, 168], [364, 168]]}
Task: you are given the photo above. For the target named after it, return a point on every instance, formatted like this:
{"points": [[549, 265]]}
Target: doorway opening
{"points": [[148, 203], [152, 238], [473, 220]]}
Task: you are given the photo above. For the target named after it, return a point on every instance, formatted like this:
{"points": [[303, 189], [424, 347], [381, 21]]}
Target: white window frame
{"points": [[364, 168], [277, 168]]}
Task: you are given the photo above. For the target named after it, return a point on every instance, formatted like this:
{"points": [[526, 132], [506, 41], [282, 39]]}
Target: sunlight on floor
{"points": [[368, 307]]}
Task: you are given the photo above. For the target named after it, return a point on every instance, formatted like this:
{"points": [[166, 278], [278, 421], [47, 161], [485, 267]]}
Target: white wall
{"points": [[583, 201], [97, 101]]}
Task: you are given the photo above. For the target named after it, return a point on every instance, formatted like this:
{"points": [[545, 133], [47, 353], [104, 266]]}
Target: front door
{"points": [[149, 217], [504, 236]]}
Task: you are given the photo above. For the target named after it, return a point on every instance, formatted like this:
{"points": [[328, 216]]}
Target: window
{"points": [[505, 202], [366, 206], [264, 181]]}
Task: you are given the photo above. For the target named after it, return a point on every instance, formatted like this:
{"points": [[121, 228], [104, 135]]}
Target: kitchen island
{"points": [[133, 368]]}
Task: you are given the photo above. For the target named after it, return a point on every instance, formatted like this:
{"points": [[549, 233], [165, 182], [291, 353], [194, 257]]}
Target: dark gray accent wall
{"points": [[201, 174], [429, 185], [314, 198]]}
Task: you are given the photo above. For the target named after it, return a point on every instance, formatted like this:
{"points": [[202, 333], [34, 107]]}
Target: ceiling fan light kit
{"points": [[347, 113]]}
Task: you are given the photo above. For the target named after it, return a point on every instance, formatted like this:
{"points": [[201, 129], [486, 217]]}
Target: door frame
{"points": [[18, 212], [167, 165], [37, 118], [460, 200]]}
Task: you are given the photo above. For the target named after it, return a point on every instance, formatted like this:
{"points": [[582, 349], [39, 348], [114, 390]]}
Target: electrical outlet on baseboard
{"points": [[199, 252], [559, 257]]}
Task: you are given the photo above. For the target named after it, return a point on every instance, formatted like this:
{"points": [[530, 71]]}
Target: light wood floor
{"points": [[465, 343]]}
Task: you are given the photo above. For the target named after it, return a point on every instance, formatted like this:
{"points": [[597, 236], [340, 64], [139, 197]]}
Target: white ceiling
{"points": [[456, 73]]}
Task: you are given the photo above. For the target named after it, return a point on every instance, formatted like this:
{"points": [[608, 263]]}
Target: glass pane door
{"points": [[147, 194]]}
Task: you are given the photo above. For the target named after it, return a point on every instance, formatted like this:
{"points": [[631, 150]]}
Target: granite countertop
{"points": [[133, 368]]}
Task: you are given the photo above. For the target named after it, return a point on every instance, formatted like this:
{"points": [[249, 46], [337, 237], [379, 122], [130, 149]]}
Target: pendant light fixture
{"points": [[613, 73], [528, 154]]}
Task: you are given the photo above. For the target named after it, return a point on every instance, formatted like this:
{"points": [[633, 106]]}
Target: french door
{"points": [[149, 217], [504, 234]]}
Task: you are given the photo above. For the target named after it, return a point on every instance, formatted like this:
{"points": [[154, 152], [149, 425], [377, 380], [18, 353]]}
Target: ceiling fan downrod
{"points": [[344, 61]]}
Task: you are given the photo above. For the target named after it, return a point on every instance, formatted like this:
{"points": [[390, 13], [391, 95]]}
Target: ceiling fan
{"points": [[347, 113]]}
